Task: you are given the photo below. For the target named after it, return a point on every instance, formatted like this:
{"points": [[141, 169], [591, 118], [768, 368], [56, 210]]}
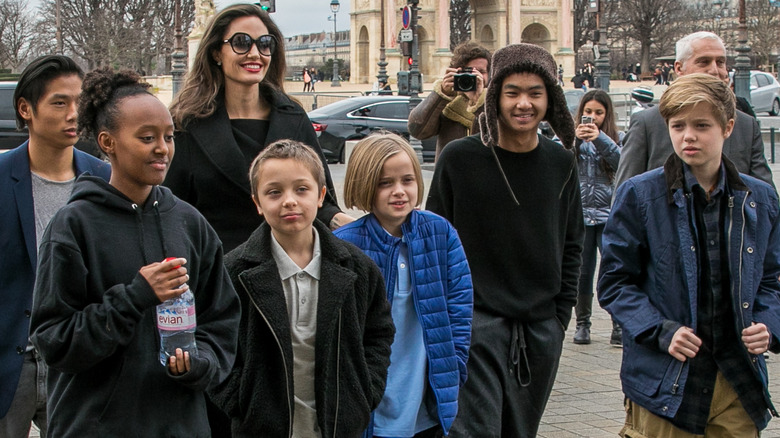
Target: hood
{"points": [[521, 58], [97, 191]]}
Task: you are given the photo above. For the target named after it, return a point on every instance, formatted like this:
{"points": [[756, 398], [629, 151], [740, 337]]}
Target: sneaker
{"points": [[582, 335], [616, 339]]}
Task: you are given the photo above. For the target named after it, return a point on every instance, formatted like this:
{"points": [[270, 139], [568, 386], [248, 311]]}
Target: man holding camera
{"points": [[451, 111]]}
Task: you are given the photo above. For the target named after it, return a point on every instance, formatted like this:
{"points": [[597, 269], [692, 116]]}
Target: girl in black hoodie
{"points": [[100, 279]]}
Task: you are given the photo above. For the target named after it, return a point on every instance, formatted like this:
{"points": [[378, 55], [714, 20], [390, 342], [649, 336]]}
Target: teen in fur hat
{"points": [[517, 208]]}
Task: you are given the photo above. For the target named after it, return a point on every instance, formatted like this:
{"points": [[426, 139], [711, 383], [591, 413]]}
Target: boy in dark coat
{"points": [[690, 271], [316, 330]]}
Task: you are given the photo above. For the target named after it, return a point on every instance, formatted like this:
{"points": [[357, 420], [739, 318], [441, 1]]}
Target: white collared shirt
{"points": [[301, 288]]}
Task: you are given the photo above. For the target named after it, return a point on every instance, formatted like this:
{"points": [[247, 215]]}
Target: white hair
{"points": [[684, 47]]}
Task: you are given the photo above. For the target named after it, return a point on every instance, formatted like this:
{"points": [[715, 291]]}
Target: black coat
{"points": [[210, 172], [352, 348]]}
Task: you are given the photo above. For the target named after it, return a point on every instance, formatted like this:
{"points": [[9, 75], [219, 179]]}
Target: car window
{"points": [[398, 110], [6, 104], [762, 81], [753, 82]]}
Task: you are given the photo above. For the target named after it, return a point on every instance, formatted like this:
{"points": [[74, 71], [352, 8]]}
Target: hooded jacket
{"points": [[442, 291], [649, 275], [352, 347], [595, 182], [94, 315]]}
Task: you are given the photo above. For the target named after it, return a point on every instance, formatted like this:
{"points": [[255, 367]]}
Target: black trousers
{"points": [[512, 367]]}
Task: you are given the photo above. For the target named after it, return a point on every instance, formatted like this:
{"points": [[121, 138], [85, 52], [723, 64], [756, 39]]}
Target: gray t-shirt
{"points": [[48, 198]]}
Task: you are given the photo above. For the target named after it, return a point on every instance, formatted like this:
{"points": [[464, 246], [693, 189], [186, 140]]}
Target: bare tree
{"points": [[763, 28], [16, 32], [654, 24], [134, 34], [460, 22]]}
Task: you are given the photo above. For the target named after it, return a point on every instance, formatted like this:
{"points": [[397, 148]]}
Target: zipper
{"points": [[676, 384], [338, 378], [415, 300], [284, 362], [741, 243]]}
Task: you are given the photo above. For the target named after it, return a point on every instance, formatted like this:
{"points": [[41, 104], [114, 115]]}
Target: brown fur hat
{"points": [[520, 58]]}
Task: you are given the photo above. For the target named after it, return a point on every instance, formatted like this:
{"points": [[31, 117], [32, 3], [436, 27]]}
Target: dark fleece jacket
{"points": [[94, 315], [352, 348]]}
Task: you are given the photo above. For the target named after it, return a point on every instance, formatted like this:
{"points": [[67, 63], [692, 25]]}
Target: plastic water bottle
{"points": [[176, 322]]}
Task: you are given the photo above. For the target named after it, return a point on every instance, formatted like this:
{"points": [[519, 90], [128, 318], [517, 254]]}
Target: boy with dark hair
{"points": [[37, 178], [316, 327], [514, 198], [689, 269]]}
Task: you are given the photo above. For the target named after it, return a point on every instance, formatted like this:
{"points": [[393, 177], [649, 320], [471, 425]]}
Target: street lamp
{"points": [[334, 7], [742, 64]]}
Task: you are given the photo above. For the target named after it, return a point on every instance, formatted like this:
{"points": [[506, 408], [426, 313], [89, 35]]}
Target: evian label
{"points": [[173, 320]]}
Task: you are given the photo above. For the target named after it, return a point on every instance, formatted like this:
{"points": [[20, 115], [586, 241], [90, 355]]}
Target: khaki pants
{"points": [[727, 418]]}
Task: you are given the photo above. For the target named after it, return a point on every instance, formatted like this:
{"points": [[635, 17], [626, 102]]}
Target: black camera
{"points": [[465, 80]]}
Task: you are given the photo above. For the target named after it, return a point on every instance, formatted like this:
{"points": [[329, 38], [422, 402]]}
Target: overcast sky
{"points": [[293, 16], [303, 16]]}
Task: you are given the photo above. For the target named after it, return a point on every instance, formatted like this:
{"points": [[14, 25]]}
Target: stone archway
{"points": [[487, 38], [362, 57], [537, 34]]}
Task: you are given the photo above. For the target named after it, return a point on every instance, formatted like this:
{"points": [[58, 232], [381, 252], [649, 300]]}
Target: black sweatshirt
{"points": [[525, 260], [94, 318]]}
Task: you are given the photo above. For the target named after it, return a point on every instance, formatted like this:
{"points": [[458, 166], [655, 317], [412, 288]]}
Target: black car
{"points": [[9, 136], [357, 117]]}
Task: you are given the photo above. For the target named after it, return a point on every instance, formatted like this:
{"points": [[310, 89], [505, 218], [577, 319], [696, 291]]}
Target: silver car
{"points": [[764, 93]]}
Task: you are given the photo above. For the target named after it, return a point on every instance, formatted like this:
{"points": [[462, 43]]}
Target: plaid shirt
{"points": [[720, 350]]}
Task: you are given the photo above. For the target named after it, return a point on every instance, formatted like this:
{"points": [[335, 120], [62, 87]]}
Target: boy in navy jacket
{"points": [[690, 271]]}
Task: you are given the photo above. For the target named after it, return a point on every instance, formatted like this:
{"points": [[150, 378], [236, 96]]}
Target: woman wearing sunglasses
{"points": [[231, 106]]}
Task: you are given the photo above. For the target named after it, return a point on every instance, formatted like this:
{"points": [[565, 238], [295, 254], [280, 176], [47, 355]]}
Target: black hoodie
{"points": [[94, 319]]}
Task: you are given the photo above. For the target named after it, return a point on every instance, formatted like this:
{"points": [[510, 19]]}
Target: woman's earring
{"points": [[219, 62]]}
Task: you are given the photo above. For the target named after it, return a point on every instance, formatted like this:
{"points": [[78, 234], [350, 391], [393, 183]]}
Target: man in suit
{"points": [[647, 144], [36, 179]]}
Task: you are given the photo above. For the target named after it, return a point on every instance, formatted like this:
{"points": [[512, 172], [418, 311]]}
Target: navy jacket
{"points": [[442, 291], [649, 274], [18, 257]]}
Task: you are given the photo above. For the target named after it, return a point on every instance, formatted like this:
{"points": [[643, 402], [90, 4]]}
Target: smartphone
{"points": [[586, 120]]}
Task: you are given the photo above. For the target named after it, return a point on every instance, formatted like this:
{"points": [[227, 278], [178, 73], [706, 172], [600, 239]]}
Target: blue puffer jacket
{"points": [[442, 290], [649, 275], [595, 183]]}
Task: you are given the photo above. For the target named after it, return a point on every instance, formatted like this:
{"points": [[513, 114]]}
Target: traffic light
{"points": [[406, 48], [267, 5], [409, 61], [593, 6], [403, 83]]}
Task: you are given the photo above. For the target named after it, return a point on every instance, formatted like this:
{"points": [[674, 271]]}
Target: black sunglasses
{"points": [[241, 43]]}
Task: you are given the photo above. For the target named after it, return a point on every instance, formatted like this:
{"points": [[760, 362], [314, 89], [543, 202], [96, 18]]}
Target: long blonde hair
{"points": [[198, 97]]}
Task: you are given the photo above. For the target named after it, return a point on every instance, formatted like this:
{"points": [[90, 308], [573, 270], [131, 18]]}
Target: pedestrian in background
{"points": [[690, 271], [451, 114], [101, 278], [428, 286], [306, 80], [37, 179], [597, 146], [316, 329]]}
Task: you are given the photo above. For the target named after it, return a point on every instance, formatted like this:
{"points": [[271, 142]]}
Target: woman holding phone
{"points": [[598, 147]]}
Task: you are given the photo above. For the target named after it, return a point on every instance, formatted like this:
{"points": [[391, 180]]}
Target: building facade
{"points": [[494, 24]]}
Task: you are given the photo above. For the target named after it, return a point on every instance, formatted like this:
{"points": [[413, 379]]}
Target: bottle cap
{"points": [[167, 259]]}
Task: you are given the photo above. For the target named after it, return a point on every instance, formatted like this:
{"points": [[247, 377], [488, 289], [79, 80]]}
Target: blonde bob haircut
{"points": [[287, 150], [692, 89], [365, 168]]}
